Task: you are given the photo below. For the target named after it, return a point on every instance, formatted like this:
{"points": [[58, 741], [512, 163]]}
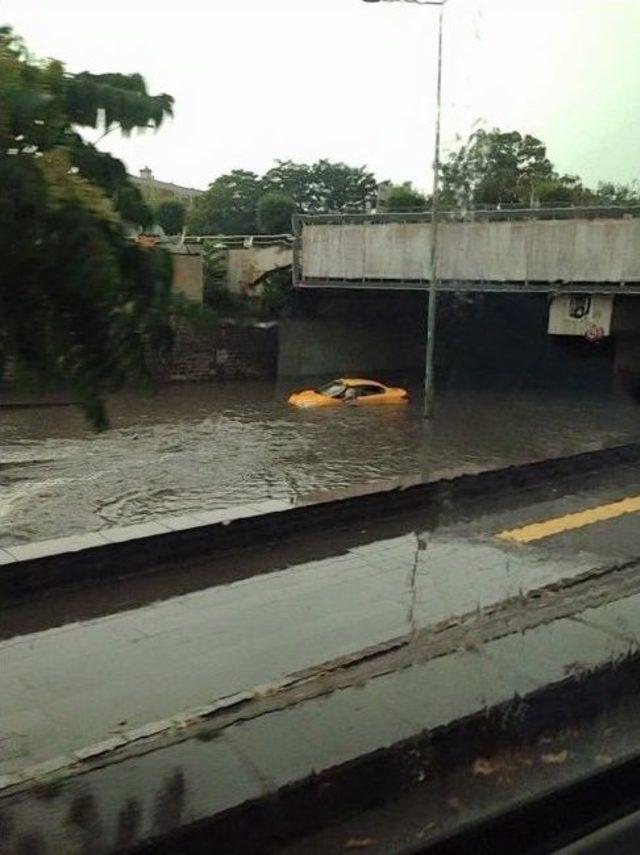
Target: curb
{"points": [[139, 549]]}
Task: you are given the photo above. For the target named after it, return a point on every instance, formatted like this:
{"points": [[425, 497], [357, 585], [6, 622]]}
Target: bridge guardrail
{"points": [[241, 241], [472, 215]]}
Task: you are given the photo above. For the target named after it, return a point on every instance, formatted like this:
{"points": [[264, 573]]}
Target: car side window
{"points": [[332, 390], [369, 389]]}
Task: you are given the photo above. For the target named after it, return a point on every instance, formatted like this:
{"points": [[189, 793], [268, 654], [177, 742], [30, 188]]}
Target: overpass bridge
{"points": [[586, 261], [570, 250]]}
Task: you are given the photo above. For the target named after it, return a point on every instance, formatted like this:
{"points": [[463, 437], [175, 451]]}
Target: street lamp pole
{"points": [[429, 374]]}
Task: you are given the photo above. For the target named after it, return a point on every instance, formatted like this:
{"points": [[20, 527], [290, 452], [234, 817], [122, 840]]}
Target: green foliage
{"points": [[275, 211], [608, 193], [342, 188], [110, 100], [78, 300], [496, 168], [278, 295], [171, 216], [322, 187], [294, 180], [508, 168], [562, 192], [403, 197], [203, 318], [215, 275], [216, 294], [229, 206]]}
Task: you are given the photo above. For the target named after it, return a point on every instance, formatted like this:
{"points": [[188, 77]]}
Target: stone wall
{"points": [[232, 350]]}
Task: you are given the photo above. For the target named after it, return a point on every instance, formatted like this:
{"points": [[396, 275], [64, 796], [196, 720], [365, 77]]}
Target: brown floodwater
{"points": [[209, 446]]}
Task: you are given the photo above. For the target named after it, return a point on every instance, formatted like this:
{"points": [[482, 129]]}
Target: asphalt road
{"points": [[79, 667]]}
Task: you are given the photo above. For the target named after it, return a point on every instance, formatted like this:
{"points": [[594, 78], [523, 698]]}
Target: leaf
{"points": [[68, 188]]}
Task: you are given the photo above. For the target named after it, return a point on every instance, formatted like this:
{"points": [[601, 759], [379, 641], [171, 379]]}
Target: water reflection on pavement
{"points": [[210, 446]]}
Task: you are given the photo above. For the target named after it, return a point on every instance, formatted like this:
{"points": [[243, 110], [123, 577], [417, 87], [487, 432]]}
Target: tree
{"points": [[403, 197], [564, 191], [171, 216], [78, 298], [608, 193], [342, 188], [274, 213], [229, 206], [294, 180], [496, 168], [322, 187]]}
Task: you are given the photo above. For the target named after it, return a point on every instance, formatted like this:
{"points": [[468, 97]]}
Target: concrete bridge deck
{"points": [[581, 250]]}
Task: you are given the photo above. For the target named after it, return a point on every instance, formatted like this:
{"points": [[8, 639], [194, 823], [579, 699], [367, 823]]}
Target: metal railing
{"points": [[241, 241], [485, 213]]}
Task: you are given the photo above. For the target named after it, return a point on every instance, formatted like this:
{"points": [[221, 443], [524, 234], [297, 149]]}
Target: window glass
{"points": [[369, 389], [333, 389]]}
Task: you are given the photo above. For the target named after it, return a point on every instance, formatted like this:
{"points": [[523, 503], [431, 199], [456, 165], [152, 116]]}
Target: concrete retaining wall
{"points": [[247, 266], [188, 275], [347, 346], [541, 251]]}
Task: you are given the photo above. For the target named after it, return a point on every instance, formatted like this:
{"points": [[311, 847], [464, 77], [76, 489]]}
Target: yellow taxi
{"points": [[348, 390]]}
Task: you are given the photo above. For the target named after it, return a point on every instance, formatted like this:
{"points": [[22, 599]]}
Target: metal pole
{"points": [[429, 374]]}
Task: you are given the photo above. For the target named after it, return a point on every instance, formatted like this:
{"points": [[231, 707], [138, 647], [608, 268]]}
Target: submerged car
{"points": [[349, 391]]}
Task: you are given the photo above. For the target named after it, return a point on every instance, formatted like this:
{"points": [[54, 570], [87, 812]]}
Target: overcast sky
{"points": [[256, 80]]}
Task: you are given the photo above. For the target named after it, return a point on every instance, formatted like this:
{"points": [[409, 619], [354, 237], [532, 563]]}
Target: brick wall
{"points": [[233, 350]]}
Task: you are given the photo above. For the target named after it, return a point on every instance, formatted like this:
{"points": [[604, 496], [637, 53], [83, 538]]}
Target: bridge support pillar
{"points": [[627, 331], [627, 363]]}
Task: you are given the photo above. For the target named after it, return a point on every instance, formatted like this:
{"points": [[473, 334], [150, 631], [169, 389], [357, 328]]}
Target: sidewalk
{"points": [[291, 734], [64, 689]]}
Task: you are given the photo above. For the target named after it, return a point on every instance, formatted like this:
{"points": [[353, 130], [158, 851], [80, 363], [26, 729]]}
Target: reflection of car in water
{"points": [[349, 391]]}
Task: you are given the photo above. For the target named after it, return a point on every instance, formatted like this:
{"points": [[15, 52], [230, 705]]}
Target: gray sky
{"points": [[256, 80]]}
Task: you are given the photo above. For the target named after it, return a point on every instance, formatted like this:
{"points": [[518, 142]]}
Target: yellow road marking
{"points": [[558, 525]]}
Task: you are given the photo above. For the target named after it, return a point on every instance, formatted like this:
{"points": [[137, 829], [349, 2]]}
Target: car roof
{"points": [[350, 381]]}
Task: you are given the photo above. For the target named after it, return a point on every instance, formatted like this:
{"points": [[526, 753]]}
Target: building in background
{"points": [[155, 191]]}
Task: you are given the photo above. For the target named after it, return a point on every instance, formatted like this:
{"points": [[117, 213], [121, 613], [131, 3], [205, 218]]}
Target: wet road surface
{"points": [[208, 447], [68, 682]]}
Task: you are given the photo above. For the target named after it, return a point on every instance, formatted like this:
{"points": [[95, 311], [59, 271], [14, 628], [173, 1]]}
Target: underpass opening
{"points": [[483, 341]]}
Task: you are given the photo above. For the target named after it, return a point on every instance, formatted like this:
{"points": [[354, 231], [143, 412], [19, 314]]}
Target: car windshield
{"points": [[332, 390]]}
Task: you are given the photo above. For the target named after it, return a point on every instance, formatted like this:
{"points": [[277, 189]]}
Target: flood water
{"points": [[197, 447]]}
